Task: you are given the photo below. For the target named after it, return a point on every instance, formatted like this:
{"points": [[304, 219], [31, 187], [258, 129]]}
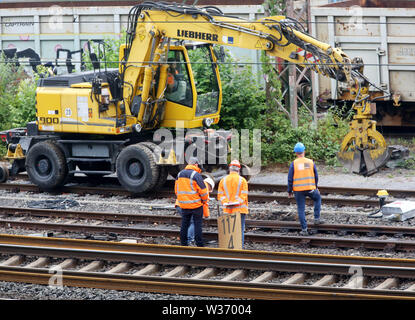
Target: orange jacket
{"points": [[206, 212], [170, 77], [190, 188], [304, 178], [233, 193]]}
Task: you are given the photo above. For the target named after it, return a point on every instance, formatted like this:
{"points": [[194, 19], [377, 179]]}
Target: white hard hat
{"points": [[210, 182], [235, 163]]}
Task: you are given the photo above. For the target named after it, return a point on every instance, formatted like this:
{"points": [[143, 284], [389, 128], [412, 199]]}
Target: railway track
{"points": [[266, 187], [167, 193], [264, 225], [203, 271], [255, 229]]}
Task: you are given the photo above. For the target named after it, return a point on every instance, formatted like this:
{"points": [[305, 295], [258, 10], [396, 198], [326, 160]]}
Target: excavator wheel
{"points": [[4, 173], [136, 167], [46, 165], [163, 169]]}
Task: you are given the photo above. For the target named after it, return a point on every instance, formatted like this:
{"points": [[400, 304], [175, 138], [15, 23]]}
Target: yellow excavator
{"points": [[106, 121]]}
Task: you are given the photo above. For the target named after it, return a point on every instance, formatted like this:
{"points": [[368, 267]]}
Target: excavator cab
{"points": [[193, 90]]}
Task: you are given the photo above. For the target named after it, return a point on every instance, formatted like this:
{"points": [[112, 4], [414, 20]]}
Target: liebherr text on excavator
{"points": [[102, 122]]}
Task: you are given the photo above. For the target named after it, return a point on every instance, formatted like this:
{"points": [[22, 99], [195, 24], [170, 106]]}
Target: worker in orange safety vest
{"points": [[210, 185], [192, 194], [233, 193]]}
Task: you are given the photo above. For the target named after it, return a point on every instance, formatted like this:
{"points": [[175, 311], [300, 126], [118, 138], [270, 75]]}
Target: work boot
{"points": [[319, 221], [304, 232]]}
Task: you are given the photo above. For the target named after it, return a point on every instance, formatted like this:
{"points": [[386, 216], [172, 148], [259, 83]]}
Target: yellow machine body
{"points": [[72, 110], [101, 122], [75, 109]]}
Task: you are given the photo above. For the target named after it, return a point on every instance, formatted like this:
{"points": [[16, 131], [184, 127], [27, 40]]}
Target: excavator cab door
{"points": [[193, 90]]}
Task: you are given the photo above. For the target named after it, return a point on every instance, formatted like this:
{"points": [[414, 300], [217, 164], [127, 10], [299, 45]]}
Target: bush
{"points": [[322, 143], [10, 79], [243, 100], [25, 108], [17, 97]]}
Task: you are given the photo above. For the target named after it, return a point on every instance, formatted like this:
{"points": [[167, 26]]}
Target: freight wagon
{"points": [[47, 26], [382, 32]]}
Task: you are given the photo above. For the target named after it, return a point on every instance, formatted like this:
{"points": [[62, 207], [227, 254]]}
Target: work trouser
{"points": [[243, 215], [191, 230], [187, 215], [300, 197]]}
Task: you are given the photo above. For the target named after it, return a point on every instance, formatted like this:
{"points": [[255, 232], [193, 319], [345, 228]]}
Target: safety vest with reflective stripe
{"points": [[304, 178], [190, 188], [206, 212], [233, 193]]}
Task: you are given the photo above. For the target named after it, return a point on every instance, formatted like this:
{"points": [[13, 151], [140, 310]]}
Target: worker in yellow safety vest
{"points": [[233, 193], [303, 180]]}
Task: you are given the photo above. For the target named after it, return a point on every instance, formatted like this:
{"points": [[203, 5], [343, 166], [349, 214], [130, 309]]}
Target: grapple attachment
{"points": [[363, 150]]}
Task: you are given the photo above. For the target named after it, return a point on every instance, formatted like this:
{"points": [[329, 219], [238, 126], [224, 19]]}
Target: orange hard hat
{"points": [[235, 163]]}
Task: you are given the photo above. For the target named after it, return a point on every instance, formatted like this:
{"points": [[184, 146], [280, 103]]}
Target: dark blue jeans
{"points": [[191, 230], [300, 197], [243, 216], [187, 215]]}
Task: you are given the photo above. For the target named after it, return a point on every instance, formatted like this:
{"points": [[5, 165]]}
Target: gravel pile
{"points": [[23, 291]]}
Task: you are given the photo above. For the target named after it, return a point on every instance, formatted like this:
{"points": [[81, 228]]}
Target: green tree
{"points": [[11, 77]]}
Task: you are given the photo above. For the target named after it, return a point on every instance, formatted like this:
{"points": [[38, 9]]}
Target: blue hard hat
{"points": [[299, 147]]}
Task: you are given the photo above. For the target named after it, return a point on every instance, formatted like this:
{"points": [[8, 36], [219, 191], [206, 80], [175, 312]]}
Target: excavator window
{"points": [[205, 75], [179, 89]]}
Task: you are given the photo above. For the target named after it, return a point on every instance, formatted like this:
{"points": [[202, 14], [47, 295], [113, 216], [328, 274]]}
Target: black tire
{"points": [[46, 165], [136, 169], [163, 174], [174, 170], [4, 173]]}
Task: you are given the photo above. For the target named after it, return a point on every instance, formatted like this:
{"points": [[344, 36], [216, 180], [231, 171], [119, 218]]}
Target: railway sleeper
{"points": [[390, 247]]}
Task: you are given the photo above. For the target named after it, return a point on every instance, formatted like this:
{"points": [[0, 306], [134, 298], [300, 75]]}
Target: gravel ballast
{"points": [[273, 211]]}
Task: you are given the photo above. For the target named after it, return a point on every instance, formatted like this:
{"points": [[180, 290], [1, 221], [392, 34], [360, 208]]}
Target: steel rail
{"points": [[213, 288], [253, 186], [201, 287], [313, 241], [14, 187], [335, 190], [204, 261], [212, 222], [197, 251]]}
